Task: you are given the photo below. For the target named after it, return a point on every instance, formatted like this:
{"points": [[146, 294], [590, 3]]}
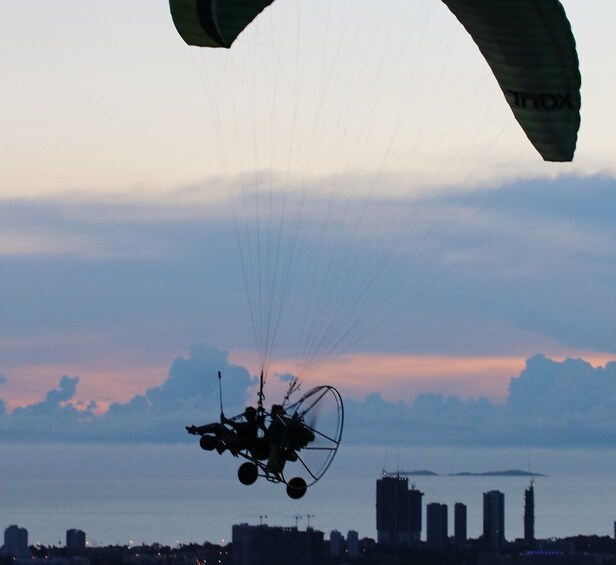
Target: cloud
{"points": [[53, 418], [189, 395], [526, 265], [549, 396], [3, 381], [55, 400], [550, 404]]}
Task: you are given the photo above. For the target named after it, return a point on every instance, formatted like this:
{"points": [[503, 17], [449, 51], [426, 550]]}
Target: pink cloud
{"points": [[395, 377], [403, 377], [115, 383]]}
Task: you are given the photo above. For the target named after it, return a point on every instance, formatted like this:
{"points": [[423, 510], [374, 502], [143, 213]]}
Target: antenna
{"points": [[532, 475], [261, 395], [222, 414]]}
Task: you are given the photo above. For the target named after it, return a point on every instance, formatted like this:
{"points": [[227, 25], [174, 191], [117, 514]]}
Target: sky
{"points": [[316, 190]]}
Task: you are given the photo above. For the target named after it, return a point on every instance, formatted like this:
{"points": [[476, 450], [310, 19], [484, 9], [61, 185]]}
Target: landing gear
{"points": [[296, 488], [208, 443], [247, 473]]}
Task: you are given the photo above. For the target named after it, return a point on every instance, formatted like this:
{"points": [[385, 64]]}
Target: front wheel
{"points": [[296, 487], [247, 473], [208, 443]]}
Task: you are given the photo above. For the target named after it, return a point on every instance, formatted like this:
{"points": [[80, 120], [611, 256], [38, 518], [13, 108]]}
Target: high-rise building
{"points": [[15, 543], [460, 536], [398, 511], [353, 544], [436, 525], [415, 503], [529, 514], [265, 545], [75, 541], [336, 543], [494, 519]]}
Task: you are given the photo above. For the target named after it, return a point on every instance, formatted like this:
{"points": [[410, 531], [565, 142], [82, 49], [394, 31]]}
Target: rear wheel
{"points": [[247, 473], [296, 487]]}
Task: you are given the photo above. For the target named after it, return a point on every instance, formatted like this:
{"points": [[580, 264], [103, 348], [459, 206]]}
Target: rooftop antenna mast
{"points": [[532, 475]]}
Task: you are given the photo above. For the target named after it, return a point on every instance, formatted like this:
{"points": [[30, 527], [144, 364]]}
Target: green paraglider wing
{"points": [[531, 51], [214, 23], [527, 43]]}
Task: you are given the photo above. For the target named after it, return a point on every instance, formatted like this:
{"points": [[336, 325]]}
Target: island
{"points": [[426, 473]]}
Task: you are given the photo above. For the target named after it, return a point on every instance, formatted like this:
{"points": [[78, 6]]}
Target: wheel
{"points": [[208, 443], [296, 487], [247, 473]]}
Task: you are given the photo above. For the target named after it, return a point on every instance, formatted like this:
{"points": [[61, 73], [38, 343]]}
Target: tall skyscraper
{"points": [[436, 525], [398, 511], [415, 503], [75, 541], [353, 544], [15, 543], [494, 519], [336, 543], [529, 514], [460, 536]]}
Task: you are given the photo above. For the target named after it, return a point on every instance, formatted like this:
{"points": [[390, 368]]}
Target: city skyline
{"points": [[391, 501], [155, 492]]}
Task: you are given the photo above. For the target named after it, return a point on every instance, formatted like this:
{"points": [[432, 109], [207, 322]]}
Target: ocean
{"points": [[172, 494]]}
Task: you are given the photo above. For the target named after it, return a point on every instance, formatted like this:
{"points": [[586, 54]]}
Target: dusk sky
{"points": [[428, 257]]}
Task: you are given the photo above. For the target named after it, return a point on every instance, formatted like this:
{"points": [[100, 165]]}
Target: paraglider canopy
{"points": [[214, 23], [531, 51], [528, 45]]}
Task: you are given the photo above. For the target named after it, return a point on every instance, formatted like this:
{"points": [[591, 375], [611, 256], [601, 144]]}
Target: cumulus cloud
{"points": [[53, 418], [55, 400], [189, 395], [573, 397], [551, 404]]}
